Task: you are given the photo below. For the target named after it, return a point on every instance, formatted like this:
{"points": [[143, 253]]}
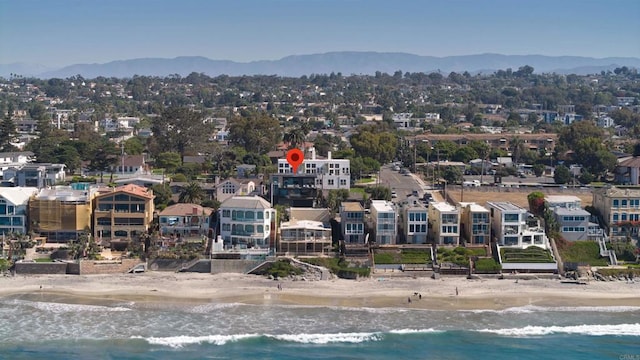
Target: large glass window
{"points": [[122, 197], [511, 217]]}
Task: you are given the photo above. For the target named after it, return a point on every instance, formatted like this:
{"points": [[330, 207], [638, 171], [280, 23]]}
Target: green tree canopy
{"points": [[180, 130], [375, 143], [561, 174], [257, 132]]}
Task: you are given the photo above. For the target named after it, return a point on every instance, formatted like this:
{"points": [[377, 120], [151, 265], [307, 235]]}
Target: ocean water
{"points": [[40, 327]]}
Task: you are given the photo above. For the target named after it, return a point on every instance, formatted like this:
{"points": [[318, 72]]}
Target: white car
{"points": [[394, 195]]}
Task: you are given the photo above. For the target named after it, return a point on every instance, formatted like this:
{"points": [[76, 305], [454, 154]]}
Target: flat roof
{"points": [[552, 199], [382, 206], [352, 206], [505, 206], [442, 206], [565, 211]]}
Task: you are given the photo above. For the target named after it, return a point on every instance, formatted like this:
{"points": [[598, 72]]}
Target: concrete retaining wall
{"points": [[88, 267], [40, 268], [167, 264], [233, 266]]}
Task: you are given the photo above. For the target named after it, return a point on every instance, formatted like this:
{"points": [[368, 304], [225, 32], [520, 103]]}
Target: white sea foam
{"points": [[328, 338], [416, 331], [54, 307], [212, 307], [527, 309], [593, 330], [180, 341]]}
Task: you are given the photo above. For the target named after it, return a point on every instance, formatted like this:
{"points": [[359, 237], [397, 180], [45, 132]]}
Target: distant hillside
{"points": [[345, 62]]}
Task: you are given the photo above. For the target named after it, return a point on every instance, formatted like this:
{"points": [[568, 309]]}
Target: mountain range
{"points": [[346, 62]]}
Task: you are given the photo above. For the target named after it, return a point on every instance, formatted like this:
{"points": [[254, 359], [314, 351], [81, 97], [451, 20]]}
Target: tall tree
{"points": [[104, 155], [8, 132], [180, 129], [192, 193], [256, 132]]}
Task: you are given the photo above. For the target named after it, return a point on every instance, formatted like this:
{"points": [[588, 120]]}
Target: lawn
{"points": [[340, 267], [532, 254], [459, 255], [583, 252], [403, 257]]}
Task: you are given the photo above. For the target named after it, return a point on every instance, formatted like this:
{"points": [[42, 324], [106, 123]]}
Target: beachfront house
{"points": [[122, 213], [304, 237], [13, 209], [414, 222], [247, 222], [352, 222], [384, 222], [444, 224], [573, 220], [475, 223], [514, 226], [62, 213], [185, 221], [620, 210]]}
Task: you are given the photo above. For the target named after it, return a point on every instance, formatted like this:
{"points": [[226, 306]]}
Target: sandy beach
{"points": [[375, 292]]}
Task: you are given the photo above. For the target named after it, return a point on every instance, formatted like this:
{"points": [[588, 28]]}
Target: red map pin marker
{"points": [[295, 157]]}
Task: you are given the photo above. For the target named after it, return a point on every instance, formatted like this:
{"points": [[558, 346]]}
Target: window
{"points": [[511, 217], [423, 217], [624, 203], [260, 229], [330, 182], [615, 217], [616, 203], [343, 182], [412, 217], [259, 215], [412, 228], [623, 217], [226, 227], [226, 213]]}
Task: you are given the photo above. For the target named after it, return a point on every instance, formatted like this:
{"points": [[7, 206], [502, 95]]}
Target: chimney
{"points": [[329, 155], [312, 150]]}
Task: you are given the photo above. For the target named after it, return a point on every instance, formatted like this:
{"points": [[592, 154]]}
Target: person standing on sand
{"points": [[456, 291]]}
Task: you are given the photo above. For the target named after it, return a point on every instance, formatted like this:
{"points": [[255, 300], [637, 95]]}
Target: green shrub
{"points": [[487, 265], [281, 269]]}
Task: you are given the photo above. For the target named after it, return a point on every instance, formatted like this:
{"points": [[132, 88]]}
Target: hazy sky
{"points": [[64, 32]]}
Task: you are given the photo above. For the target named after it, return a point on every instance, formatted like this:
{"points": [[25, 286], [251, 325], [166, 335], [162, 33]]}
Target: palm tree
{"points": [[295, 137], [192, 193]]}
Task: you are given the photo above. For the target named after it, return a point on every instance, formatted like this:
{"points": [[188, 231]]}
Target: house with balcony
{"points": [[514, 226], [122, 213], [413, 223], [352, 223], [475, 223], [384, 222], [14, 209], [185, 221], [247, 222], [444, 224], [304, 237], [627, 171], [294, 190], [572, 219], [39, 175], [620, 211], [328, 174], [62, 213]]}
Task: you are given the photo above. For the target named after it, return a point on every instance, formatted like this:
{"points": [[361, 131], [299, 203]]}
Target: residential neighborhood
{"points": [[101, 170]]}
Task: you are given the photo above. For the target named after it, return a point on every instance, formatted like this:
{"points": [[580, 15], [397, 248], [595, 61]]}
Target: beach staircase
{"points": [[606, 253], [258, 268], [138, 268], [186, 266]]}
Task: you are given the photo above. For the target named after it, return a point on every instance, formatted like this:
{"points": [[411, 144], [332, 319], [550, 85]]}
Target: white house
{"points": [[514, 226], [444, 220], [330, 173], [185, 220], [384, 221], [414, 223], [247, 222], [14, 202]]}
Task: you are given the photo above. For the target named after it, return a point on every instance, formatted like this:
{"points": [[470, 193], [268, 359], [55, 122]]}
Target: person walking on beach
{"points": [[456, 291], [409, 300]]}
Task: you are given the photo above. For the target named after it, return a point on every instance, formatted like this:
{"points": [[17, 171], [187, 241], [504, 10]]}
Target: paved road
{"points": [[403, 185]]}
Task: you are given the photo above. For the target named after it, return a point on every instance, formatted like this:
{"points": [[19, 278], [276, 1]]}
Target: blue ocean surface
{"points": [[66, 328]]}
